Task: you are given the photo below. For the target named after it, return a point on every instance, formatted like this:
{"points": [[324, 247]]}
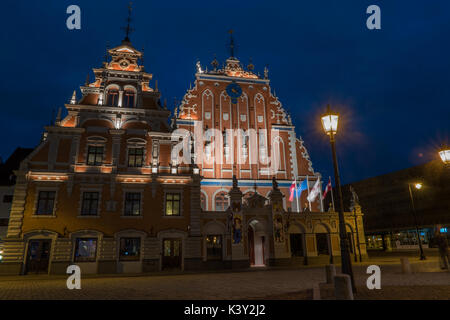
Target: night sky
{"points": [[391, 86]]}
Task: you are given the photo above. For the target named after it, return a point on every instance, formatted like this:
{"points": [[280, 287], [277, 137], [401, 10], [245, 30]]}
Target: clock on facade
{"points": [[234, 91]]}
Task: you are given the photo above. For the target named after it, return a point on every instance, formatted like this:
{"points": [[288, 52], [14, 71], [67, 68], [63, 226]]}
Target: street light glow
{"points": [[444, 153], [418, 185], [330, 121]]}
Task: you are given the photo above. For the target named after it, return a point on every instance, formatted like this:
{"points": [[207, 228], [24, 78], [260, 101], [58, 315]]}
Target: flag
{"points": [[314, 191], [327, 188], [297, 191]]}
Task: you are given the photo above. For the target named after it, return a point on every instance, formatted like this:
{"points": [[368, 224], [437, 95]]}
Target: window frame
{"points": [[130, 258], [96, 154], [129, 154], [172, 202], [76, 258], [83, 199], [124, 212], [38, 199]]}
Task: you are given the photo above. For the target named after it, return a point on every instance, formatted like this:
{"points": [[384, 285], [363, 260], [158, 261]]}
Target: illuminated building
{"points": [[105, 189]]}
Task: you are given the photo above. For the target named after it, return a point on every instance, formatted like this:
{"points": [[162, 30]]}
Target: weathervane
{"points": [[128, 29], [231, 43]]}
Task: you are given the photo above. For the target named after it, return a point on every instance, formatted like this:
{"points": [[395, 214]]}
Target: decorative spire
{"points": [[266, 72], [215, 63], [128, 29], [73, 100], [58, 117], [231, 44], [87, 80]]}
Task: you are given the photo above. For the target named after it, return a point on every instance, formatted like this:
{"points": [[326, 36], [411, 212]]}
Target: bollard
{"points": [[406, 266], [343, 287], [330, 271]]}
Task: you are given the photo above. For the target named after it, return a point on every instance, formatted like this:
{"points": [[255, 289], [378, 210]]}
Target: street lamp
{"points": [[330, 123], [418, 186], [444, 153]]}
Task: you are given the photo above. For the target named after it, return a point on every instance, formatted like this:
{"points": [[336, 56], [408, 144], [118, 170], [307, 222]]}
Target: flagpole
{"points": [[320, 194], [307, 185], [332, 198], [295, 193]]}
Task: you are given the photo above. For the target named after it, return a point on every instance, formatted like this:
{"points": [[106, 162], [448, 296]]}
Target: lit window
{"points": [[86, 249], [135, 157], [128, 99], [90, 204], [46, 202], [95, 156], [130, 249], [221, 201], [172, 204], [214, 247], [132, 204], [112, 97]]}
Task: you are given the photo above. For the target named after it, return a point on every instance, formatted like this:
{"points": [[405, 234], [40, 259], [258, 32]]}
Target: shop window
{"points": [[130, 249], [132, 204], [85, 250], [90, 204], [135, 157], [95, 156], [172, 204], [46, 202], [214, 247]]}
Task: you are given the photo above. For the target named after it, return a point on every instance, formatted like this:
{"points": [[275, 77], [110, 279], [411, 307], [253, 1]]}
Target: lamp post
{"points": [[330, 123], [418, 186]]}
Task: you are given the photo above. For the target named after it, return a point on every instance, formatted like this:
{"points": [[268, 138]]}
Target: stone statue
{"points": [[355, 199], [235, 182], [274, 183]]}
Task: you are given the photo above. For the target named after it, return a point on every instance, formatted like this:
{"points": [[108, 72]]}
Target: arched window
{"points": [[203, 201], [128, 98], [112, 97], [221, 201]]}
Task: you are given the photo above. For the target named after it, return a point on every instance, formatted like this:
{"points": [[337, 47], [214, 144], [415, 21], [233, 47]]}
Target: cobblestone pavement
{"points": [[226, 285]]}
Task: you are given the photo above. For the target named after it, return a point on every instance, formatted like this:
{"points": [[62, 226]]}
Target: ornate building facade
{"points": [[108, 189]]}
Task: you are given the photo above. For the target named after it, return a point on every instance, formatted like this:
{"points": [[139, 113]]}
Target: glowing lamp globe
{"points": [[418, 185], [444, 153], [330, 121]]}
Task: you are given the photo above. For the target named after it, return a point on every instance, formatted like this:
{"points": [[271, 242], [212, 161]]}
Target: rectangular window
{"points": [[95, 156], [132, 204], [135, 157], [7, 198], [90, 204], [214, 247], [46, 201], [172, 204], [86, 249], [130, 249]]}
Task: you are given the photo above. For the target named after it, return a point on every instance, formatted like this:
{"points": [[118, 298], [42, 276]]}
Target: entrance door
{"points": [[296, 244], [171, 254], [38, 256]]}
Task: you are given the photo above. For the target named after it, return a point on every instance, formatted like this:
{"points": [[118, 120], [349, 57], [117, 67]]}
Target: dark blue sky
{"points": [[390, 85]]}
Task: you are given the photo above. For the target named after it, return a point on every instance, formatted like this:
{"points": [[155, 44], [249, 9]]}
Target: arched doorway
{"points": [[256, 243], [297, 241]]}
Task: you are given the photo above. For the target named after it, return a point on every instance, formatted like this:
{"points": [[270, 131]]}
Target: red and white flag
{"points": [[327, 188]]}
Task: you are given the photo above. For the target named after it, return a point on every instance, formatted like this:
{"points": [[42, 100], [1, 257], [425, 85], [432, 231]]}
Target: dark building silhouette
{"points": [[386, 202]]}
